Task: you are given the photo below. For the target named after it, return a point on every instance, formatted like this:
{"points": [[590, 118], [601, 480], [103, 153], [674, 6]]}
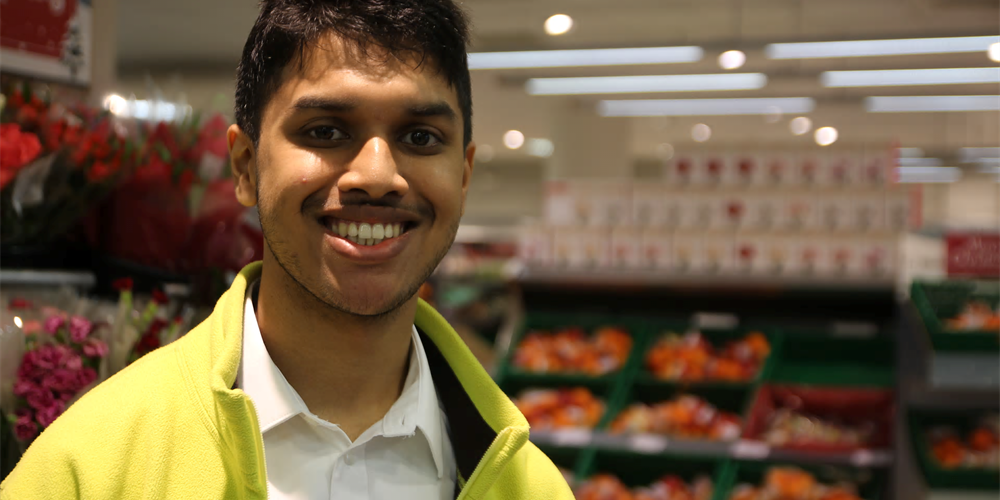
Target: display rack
{"points": [[854, 316]]}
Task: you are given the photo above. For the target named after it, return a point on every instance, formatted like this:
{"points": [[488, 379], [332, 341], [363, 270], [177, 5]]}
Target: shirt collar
{"points": [[277, 401]]}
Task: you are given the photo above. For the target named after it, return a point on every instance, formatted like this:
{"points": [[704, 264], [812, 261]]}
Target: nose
{"points": [[374, 171]]}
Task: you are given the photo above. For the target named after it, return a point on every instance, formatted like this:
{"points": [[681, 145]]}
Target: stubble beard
{"points": [[326, 297]]}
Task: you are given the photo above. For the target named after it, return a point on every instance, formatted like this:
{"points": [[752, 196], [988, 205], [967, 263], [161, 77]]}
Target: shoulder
{"points": [[104, 435], [535, 476]]}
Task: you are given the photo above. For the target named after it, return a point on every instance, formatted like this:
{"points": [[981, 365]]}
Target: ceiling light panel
{"points": [[897, 77], [935, 103], [589, 57], [870, 48], [637, 84], [704, 107]]}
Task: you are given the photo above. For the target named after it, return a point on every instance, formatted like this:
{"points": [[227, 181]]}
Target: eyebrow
{"points": [[339, 105]]}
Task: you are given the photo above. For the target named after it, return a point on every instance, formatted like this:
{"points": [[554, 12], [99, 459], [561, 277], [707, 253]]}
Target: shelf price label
{"points": [[868, 458], [648, 443], [571, 437], [715, 321], [753, 450]]}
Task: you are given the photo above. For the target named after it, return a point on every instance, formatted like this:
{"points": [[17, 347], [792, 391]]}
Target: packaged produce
{"points": [[608, 487], [979, 449], [548, 409], [976, 315], [790, 483], [790, 427], [691, 358], [686, 416], [571, 350]]}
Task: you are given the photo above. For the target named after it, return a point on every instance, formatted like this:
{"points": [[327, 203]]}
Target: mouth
{"points": [[366, 233]]}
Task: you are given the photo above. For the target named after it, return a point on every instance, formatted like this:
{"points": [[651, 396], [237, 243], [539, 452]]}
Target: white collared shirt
{"points": [[407, 454]]}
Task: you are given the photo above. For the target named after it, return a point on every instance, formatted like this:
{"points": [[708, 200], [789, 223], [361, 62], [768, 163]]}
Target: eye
{"points": [[421, 138], [326, 133]]}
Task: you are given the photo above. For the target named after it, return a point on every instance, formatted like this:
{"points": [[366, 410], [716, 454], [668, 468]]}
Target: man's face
{"points": [[360, 176]]}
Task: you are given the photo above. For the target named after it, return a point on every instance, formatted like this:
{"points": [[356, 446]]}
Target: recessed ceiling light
{"points": [[732, 59], [558, 24], [701, 132], [513, 139], [800, 125], [826, 136]]}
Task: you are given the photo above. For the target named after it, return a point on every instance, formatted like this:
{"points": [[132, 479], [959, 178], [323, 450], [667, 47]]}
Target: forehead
{"points": [[333, 66]]}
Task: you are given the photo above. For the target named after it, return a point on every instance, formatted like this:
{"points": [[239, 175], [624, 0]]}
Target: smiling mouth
{"points": [[366, 233]]}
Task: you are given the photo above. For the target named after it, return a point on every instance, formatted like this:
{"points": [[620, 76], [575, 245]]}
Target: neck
{"points": [[348, 369]]}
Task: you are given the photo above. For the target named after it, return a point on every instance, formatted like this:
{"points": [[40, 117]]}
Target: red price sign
{"points": [[973, 254]]}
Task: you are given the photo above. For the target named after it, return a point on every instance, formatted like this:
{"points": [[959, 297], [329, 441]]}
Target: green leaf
{"points": [[163, 151]]}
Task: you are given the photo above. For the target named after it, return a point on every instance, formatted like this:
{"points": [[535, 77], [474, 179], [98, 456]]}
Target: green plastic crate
{"points": [[937, 302], [871, 483], [513, 381], [731, 398], [937, 477], [716, 337], [637, 470], [552, 321], [811, 359]]}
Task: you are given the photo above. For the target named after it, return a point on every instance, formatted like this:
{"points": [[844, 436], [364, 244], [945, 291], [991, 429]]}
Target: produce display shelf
{"points": [[936, 302], [651, 445], [941, 478], [871, 483], [617, 277]]}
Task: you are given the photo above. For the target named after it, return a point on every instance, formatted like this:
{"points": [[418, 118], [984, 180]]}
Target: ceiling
{"points": [[195, 37], [196, 32]]}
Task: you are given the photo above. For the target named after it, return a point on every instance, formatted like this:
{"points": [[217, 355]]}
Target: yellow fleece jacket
{"points": [[172, 426]]}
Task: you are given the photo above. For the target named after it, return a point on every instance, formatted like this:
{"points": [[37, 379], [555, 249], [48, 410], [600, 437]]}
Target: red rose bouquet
{"points": [[55, 163]]}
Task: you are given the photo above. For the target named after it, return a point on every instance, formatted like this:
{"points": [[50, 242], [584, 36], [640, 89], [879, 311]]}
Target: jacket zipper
{"points": [[259, 441]]}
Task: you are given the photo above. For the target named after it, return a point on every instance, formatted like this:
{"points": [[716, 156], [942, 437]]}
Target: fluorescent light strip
{"points": [[910, 77], [907, 104], [910, 152], [705, 107], [918, 162], [973, 154], [868, 48], [588, 57], [635, 84], [927, 175]]}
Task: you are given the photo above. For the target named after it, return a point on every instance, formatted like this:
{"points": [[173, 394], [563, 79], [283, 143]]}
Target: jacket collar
{"points": [[486, 428]]}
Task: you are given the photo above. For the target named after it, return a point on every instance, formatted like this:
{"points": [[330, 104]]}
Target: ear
{"points": [[242, 161], [468, 164]]}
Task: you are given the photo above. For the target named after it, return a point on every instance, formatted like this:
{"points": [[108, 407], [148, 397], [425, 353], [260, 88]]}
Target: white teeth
{"points": [[365, 230], [397, 229], [354, 239], [342, 229], [352, 230], [378, 231], [369, 242], [388, 231]]}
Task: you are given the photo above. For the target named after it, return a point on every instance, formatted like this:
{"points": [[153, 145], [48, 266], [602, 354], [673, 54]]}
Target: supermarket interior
{"points": [[712, 249]]}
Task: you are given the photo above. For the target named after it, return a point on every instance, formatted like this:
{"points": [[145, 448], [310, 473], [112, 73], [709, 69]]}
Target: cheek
{"points": [[292, 174], [442, 187]]}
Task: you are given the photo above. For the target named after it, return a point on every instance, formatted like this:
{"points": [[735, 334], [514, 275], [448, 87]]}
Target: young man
{"points": [[320, 374]]}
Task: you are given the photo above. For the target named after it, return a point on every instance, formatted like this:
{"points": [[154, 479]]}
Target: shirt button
{"points": [[349, 458]]}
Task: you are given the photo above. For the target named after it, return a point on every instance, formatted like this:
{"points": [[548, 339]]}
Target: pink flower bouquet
{"points": [[59, 364]]}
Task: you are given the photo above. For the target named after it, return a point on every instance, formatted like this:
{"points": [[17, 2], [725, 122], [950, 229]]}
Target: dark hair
{"points": [[424, 29]]}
